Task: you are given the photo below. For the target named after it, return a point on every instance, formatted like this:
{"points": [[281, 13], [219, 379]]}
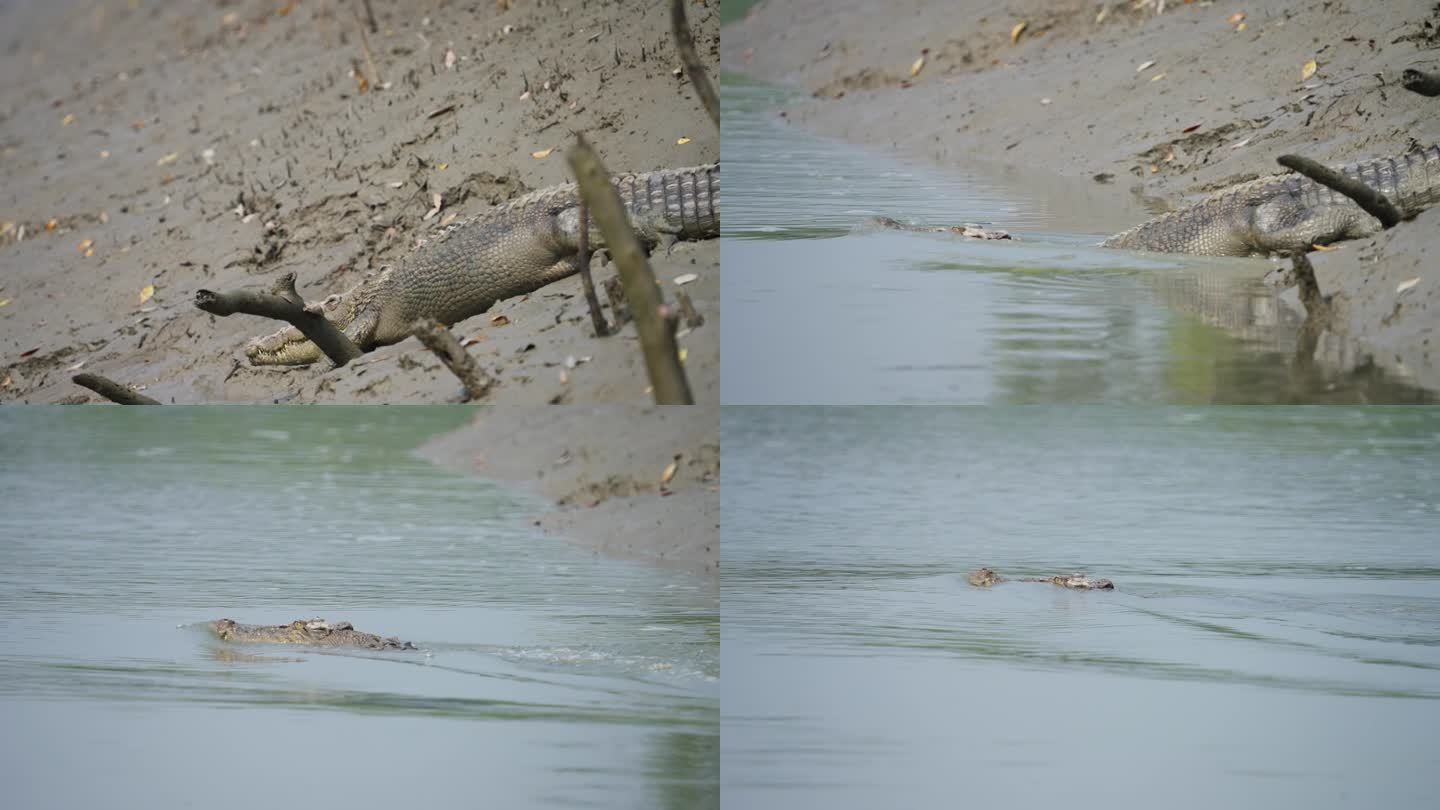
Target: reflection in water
{"points": [[1276, 580], [833, 311]]}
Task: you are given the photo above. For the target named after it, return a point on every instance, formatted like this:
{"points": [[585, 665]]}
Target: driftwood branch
{"points": [[443, 343], [283, 303], [586, 280], [1373, 201], [657, 339], [111, 390], [685, 45], [1426, 84]]}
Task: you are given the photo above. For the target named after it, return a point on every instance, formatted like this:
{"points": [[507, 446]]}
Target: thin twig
{"points": [[111, 390], [370, 17], [685, 45], [1426, 84], [619, 309], [657, 337], [365, 44], [445, 346], [583, 260], [283, 303], [1375, 203], [693, 319]]}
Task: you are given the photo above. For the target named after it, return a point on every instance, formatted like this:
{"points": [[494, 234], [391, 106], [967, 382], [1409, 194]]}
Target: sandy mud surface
{"points": [[626, 481], [149, 149], [1150, 110]]}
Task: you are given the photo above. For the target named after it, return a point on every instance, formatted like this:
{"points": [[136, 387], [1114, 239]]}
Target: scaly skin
{"points": [[1288, 213], [509, 250], [314, 632], [984, 578]]}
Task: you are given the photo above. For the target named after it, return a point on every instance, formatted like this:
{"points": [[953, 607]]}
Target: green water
{"points": [[548, 677], [1273, 641], [823, 310]]}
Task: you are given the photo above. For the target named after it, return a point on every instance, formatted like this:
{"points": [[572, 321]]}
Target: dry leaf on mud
{"points": [[1157, 77], [7, 382], [542, 154], [1236, 18], [1240, 27], [669, 473], [67, 120], [682, 141], [499, 320], [1017, 31], [1240, 144], [448, 218], [1144, 65], [51, 223], [4, 302], [917, 66], [85, 246], [434, 207], [449, 58], [1308, 70], [168, 159], [686, 279], [76, 367], [1191, 128], [29, 352], [1324, 248], [1404, 286], [147, 292]]}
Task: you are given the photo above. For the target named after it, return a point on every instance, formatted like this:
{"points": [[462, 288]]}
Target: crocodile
{"points": [[512, 249], [1284, 214], [1277, 215], [985, 577], [968, 230], [315, 632]]}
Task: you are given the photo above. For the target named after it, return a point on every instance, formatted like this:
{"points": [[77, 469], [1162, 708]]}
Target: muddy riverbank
{"points": [[626, 481], [152, 149]]}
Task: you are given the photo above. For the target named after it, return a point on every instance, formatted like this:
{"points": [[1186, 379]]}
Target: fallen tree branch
{"points": [[111, 390], [597, 317], [685, 45], [1426, 84], [283, 303], [445, 346], [1372, 200], [657, 338]]}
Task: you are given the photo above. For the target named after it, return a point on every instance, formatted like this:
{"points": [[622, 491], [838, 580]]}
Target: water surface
{"points": [[1274, 639], [548, 678]]}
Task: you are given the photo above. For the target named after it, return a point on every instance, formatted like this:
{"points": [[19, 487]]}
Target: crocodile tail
{"points": [[684, 203]]}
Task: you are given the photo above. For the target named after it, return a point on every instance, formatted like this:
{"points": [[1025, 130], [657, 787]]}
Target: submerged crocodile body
{"points": [[1288, 213], [985, 577], [314, 632], [509, 250], [968, 230]]}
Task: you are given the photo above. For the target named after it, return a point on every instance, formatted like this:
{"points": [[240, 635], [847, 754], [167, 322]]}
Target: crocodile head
{"points": [[984, 578]]}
